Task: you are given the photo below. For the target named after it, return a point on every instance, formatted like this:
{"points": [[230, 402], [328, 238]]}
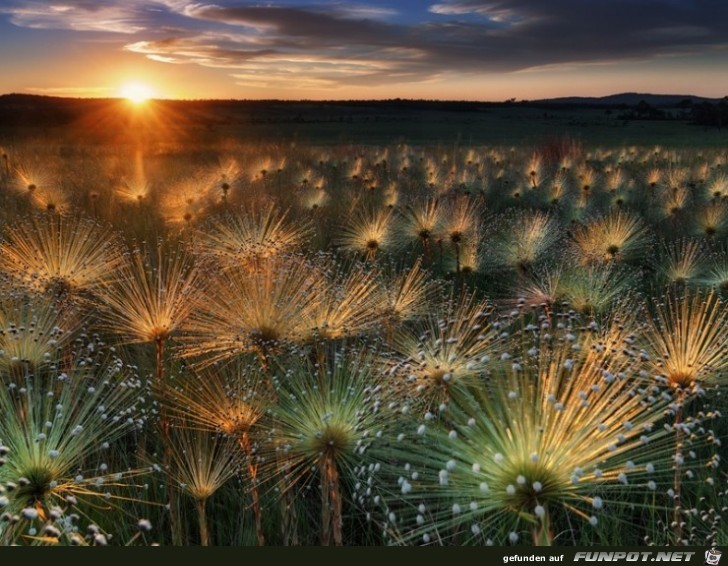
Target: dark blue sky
{"points": [[455, 49]]}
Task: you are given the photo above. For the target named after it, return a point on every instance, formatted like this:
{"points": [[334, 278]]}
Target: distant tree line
{"points": [[714, 115]]}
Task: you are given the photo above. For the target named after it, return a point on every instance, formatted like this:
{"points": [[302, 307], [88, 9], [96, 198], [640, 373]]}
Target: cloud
{"points": [[70, 90], [498, 12], [79, 15], [330, 44]]}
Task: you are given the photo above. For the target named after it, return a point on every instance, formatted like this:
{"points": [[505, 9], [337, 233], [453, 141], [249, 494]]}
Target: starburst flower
{"points": [[712, 220], [619, 236], [31, 334], [461, 232], [686, 348], [183, 202], [686, 339], [368, 234], [595, 289], [540, 289], [63, 256], [716, 275], [615, 181], [674, 200], [466, 260], [680, 262], [251, 235], [29, 178], [568, 430], [717, 187], [57, 428], [231, 399], [51, 198], [675, 179], [202, 462], [423, 222], [558, 188], [405, 295], [223, 177], [134, 189], [445, 350], [461, 224], [586, 179], [534, 171], [347, 304], [654, 176], [312, 198], [521, 239], [152, 296], [326, 415], [254, 310]]}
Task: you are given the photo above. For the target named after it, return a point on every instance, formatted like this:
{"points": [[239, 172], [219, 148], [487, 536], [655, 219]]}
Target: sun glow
{"points": [[137, 93]]}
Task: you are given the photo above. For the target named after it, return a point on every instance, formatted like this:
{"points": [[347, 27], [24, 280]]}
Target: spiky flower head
{"points": [[249, 235], [31, 334], [183, 202], [618, 236], [595, 289], [716, 275], [423, 222], [256, 310], [405, 295], [712, 220], [461, 222], [134, 189], [328, 410], [28, 178], [565, 429], [347, 302], [153, 294], [686, 339], [58, 426], [229, 398], [61, 255], [447, 349], [202, 461], [368, 233], [52, 198], [718, 186], [680, 262], [521, 239], [675, 200], [539, 289]]}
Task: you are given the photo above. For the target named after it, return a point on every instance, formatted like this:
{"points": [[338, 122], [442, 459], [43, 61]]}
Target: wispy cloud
{"points": [[70, 91], [79, 15]]}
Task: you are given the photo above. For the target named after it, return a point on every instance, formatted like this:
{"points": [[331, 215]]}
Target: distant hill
{"points": [[627, 99]]}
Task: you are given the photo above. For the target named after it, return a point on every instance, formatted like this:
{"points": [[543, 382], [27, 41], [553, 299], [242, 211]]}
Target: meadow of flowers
{"points": [[286, 345]]}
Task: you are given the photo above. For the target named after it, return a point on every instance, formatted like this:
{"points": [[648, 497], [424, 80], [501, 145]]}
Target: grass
{"points": [[292, 343]]}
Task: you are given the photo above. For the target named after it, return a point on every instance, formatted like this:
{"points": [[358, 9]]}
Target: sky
{"points": [[364, 49]]}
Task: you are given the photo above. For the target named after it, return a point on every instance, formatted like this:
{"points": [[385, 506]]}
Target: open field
{"points": [[440, 124], [285, 326]]}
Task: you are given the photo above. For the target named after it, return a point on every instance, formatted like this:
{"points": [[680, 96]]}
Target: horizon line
{"points": [[513, 100]]}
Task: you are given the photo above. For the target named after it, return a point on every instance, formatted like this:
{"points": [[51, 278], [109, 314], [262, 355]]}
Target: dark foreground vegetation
{"points": [[209, 337]]}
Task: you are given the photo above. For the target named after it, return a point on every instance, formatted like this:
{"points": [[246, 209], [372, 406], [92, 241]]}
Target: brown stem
{"points": [[289, 517], [202, 518], [254, 493], [542, 534], [331, 517]]}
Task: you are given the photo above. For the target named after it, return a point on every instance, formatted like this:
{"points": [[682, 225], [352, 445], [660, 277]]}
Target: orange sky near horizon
{"points": [[455, 49]]}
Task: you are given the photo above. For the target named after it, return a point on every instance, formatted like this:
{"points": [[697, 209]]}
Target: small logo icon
{"points": [[712, 557]]}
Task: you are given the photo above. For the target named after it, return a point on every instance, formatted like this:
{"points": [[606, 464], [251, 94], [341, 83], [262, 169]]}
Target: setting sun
{"points": [[137, 93]]}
